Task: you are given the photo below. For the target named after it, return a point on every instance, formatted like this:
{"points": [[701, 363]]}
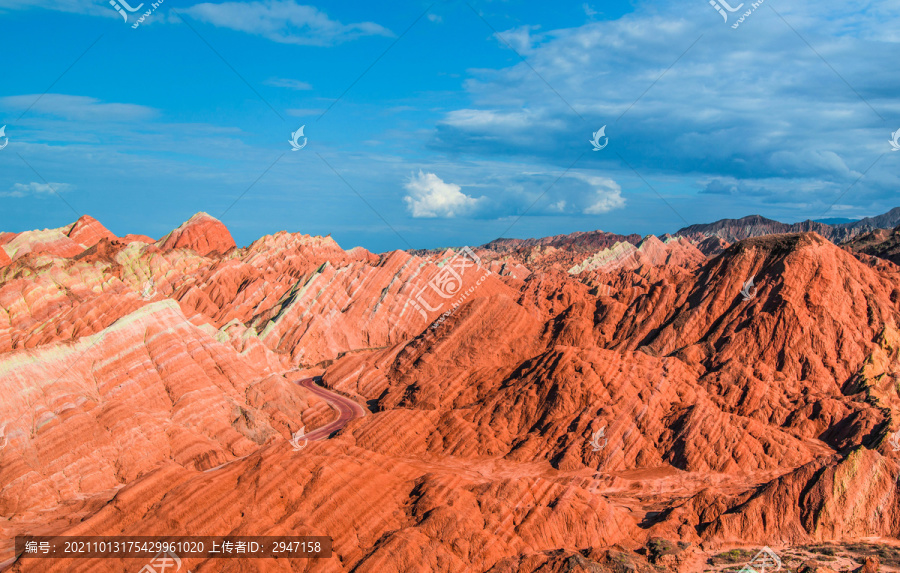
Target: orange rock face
{"points": [[581, 403]]}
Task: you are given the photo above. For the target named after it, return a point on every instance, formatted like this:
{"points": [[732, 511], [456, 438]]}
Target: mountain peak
{"points": [[202, 233], [88, 231], [200, 216]]}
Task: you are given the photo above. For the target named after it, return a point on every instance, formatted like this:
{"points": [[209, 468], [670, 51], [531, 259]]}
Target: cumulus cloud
{"points": [[428, 196], [607, 194], [36, 189], [510, 190], [284, 21]]}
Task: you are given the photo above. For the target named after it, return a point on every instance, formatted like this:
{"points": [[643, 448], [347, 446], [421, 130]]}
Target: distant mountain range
{"points": [[836, 220], [732, 230], [578, 242], [567, 251], [711, 238]]}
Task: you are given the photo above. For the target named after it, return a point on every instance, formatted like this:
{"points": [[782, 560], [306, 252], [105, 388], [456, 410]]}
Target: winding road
{"points": [[347, 409]]}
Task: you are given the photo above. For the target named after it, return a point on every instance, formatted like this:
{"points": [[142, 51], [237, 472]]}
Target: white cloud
{"points": [[485, 119], [72, 6], [36, 189], [559, 206], [430, 197], [509, 189], [284, 21], [519, 38], [288, 83], [607, 194], [78, 108]]}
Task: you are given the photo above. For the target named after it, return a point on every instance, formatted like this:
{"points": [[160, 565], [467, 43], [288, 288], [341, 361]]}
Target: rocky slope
{"points": [[881, 243], [612, 404]]}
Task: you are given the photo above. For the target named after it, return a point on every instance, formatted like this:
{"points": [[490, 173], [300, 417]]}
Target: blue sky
{"points": [[448, 123]]}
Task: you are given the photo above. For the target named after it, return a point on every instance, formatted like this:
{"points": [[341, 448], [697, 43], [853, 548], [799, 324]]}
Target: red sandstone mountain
{"points": [[200, 233], [537, 419], [88, 232]]}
